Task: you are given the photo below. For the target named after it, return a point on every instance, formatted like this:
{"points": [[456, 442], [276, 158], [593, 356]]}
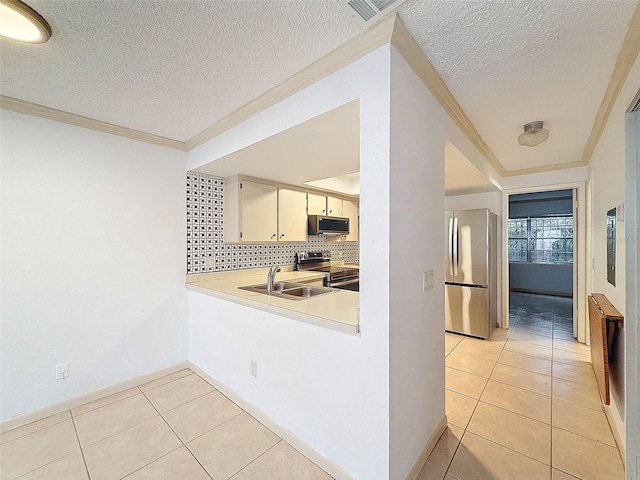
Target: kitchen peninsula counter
{"points": [[337, 310]]}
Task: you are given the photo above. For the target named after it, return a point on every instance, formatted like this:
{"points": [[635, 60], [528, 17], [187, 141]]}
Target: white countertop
{"points": [[338, 310]]}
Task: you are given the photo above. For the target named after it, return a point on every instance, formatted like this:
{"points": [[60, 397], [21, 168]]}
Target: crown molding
{"points": [[413, 54], [624, 62], [21, 106], [543, 168], [392, 30], [375, 37]]}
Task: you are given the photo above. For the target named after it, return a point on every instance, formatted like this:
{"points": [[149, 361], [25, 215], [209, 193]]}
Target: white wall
{"points": [[329, 388], [536, 182], [543, 278], [492, 201], [608, 180], [416, 318], [92, 259]]}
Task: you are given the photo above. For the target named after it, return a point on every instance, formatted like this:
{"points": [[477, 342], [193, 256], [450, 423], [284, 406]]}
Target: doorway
{"points": [[574, 195], [541, 247]]}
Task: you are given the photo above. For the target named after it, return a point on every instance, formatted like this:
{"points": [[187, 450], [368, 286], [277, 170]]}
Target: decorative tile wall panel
{"points": [[205, 204]]}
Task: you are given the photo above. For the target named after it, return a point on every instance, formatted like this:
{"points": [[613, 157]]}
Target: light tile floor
{"points": [[524, 404], [177, 427], [521, 405]]}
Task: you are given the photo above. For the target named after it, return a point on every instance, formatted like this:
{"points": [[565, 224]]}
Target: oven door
{"points": [[352, 284]]}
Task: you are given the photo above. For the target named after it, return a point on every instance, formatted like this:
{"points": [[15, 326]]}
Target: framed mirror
{"points": [[611, 246]]}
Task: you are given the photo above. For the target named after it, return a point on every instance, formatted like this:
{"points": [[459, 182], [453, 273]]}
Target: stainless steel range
{"points": [[347, 278]]}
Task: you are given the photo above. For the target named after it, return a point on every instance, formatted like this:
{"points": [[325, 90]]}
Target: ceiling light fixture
{"points": [[18, 21], [533, 134]]}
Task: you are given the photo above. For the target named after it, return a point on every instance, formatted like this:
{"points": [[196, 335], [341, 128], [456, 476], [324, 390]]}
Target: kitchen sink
{"points": [[290, 290]]}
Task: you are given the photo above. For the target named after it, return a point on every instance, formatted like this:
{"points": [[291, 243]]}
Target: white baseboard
{"points": [[616, 433], [31, 417], [332, 468], [428, 448]]}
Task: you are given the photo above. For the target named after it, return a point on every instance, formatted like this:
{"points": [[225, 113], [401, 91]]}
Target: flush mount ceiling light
{"points": [[19, 21], [533, 134]]}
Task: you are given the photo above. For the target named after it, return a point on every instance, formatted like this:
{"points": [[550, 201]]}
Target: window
{"points": [[541, 239]]}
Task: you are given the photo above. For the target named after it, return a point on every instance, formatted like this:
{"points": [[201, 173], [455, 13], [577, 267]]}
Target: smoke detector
{"points": [[367, 12]]}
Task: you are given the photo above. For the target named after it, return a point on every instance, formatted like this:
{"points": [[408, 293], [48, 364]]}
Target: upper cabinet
{"points": [[257, 211], [324, 205], [317, 204], [292, 215], [250, 211], [334, 207]]}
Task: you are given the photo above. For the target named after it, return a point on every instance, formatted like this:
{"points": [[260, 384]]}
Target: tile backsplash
{"points": [[205, 238]]}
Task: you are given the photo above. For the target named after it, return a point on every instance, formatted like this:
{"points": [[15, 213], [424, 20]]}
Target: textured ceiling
{"points": [[171, 68], [174, 67], [509, 62]]}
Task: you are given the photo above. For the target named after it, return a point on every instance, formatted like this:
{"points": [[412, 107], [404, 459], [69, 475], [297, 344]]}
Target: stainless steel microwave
{"points": [[323, 225]]}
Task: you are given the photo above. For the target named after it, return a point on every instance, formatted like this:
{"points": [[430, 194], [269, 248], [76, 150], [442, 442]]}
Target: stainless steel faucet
{"points": [[271, 276]]}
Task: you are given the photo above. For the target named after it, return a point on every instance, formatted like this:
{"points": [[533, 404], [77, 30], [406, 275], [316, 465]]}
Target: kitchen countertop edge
{"points": [[225, 288]]}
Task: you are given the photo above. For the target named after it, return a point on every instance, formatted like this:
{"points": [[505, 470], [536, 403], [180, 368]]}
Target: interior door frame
{"points": [[580, 330], [632, 283]]}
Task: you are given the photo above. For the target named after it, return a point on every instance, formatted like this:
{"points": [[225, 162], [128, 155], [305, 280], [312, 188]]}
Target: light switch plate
{"points": [[428, 280]]}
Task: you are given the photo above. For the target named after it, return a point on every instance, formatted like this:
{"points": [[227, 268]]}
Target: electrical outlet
{"points": [[62, 371], [210, 262], [428, 280], [253, 367], [339, 254]]}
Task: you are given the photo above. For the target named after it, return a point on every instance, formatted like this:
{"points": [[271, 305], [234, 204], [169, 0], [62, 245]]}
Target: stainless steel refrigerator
{"points": [[471, 278]]}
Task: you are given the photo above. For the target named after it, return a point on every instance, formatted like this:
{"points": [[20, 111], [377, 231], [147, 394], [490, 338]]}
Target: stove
{"points": [[347, 278]]}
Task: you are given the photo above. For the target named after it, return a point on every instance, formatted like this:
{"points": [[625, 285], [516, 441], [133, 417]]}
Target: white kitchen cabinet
{"points": [[250, 211], [292, 215], [257, 211], [334, 207], [324, 205], [350, 210], [316, 204]]}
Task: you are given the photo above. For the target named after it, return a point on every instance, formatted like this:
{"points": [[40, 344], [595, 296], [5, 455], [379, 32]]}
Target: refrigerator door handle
{"points": [[451, 246], [455, 246]]}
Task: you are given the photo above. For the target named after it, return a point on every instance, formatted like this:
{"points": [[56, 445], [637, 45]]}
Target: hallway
{"points": [[524, 404]]}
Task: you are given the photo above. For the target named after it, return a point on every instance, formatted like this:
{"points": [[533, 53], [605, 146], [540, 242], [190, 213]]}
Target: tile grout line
{"points": [[513, 329], [146, 465], [106, 404], [262, 454], [477, 402], [219, 425], [35, 431], [174, 432], [84, 460], [116, 433], [22, 475], [508, 448], [551, 398], [187, 403], [166, 383]]}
